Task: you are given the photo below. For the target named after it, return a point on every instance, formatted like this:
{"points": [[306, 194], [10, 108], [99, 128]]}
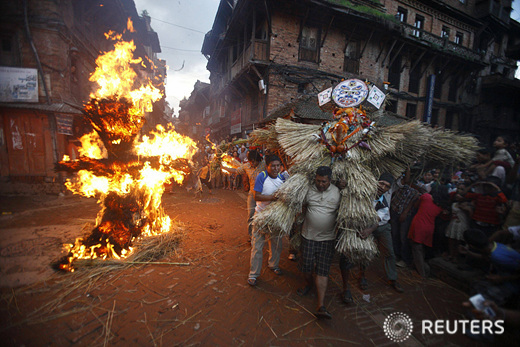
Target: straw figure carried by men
{"points": [[358, 151]]}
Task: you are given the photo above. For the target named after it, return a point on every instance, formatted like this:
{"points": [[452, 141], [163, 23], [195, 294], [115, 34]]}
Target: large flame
{"points": [[126, 171]]}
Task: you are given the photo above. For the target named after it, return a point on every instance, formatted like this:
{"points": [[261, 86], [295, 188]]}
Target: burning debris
{"points": [[125, 170]]}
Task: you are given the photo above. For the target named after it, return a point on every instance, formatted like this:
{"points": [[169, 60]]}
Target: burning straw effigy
{"points": [[358, 151], [127, 171]]}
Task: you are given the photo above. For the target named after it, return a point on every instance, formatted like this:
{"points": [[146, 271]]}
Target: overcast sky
{"points": [[181, 25]]}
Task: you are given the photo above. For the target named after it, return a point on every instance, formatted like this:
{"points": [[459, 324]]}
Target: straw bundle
{"points": [[355, 212], [406, 141], [153, 248], [147, 249], [295, 241], [276, 219], [299, 140], [448, 148], [266, 136], [308, 167], [293, 191], [360, 181], [358, 250]]}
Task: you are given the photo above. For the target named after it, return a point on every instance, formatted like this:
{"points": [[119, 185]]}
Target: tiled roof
{"points": [[55, 108], [305, 107]]}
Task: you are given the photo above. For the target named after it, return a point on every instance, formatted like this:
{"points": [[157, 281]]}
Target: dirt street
{"points": [[207, 302]]}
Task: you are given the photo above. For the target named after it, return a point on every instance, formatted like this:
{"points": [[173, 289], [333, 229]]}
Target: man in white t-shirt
{"points": [[266, 184], [319, 235]]}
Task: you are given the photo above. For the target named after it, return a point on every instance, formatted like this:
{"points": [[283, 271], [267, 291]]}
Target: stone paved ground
{"points": [[205, 303]]}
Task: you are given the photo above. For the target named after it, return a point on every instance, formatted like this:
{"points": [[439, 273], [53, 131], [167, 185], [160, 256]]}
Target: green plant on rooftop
{"points": [[365, 9]]}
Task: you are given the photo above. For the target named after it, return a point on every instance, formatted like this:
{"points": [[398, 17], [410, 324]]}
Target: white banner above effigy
{"points": [[376, 97], [325, 96]]}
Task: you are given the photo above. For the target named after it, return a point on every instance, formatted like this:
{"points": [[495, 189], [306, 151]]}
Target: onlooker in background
{"points": [[508, 236], [513, 180], [423, 225], [250, 170], [440, 241], [401, 213], [204, 175], [501, 145], [242, 153], [481, 167], [502, 283], [510, 316], [235, 177], [426, 182], [485, 215], [461, 212]]}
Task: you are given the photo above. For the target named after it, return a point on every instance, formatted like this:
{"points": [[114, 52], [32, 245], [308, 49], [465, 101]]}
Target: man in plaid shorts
{"points": [[318, 235]]}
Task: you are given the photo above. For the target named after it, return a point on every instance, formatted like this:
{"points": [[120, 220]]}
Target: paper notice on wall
{"points": [[325, 96], [64, 124], [376, 97], [18, 84]]}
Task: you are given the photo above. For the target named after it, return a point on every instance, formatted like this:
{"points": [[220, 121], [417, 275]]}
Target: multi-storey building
{"points": [[439, 60], [194, 111], [47, 54]]}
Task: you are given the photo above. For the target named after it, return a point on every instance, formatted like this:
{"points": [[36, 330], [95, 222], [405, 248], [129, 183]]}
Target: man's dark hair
{"points": [[386, 176], [270, 158], [253, 155], [476, 238], [484, 151], [324, 171]]}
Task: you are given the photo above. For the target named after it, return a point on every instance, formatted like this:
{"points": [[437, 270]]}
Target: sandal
{"points": [[346, 297], [277, 271], [363, 285], [323, 313], [251, 281], [304, 291]]}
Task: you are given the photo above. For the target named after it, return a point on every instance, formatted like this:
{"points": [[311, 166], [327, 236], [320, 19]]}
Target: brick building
{"points": [[194, 112], [47, 54], [263, 54]]}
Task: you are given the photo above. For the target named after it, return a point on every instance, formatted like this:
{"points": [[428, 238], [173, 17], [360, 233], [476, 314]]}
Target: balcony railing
{"points": [[256, 51], [439, 43]]}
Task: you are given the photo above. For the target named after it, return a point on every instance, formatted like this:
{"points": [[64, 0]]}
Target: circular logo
{"points": [[398, 326]]}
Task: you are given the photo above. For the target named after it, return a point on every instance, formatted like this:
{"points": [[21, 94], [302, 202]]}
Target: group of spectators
{"points": [[209, 171], [471, 218]]}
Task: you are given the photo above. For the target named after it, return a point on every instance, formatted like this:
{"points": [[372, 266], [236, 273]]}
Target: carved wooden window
{"points": [[310, 44], [411, 110], [415, 80], [351, 63]]}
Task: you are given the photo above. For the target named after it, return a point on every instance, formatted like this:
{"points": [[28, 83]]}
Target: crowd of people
{"points": [[468, 216]]}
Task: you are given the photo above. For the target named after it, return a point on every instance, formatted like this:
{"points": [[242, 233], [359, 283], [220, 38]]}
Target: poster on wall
{"points": [[64, 124], [236, 122], [18, 84]]}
